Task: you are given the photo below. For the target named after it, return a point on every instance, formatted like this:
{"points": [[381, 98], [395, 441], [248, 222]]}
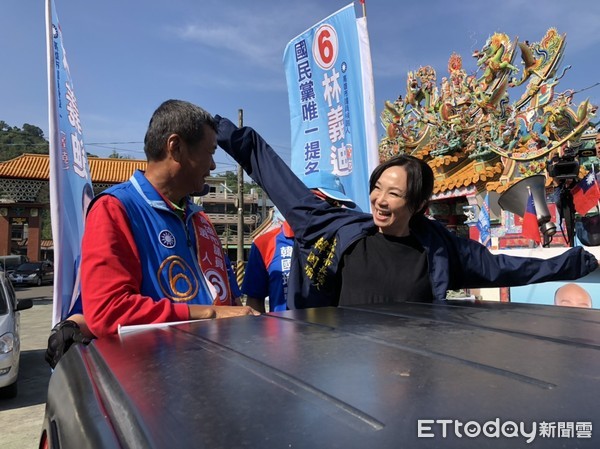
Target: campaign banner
{"points": [[331, 97], [70, 180], [483, 223]]}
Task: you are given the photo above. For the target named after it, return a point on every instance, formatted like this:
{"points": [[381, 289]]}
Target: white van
{"points": [[10, 341]]}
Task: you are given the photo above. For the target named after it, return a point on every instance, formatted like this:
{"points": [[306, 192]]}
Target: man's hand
{"points": [[231, 311], [198, 312], [62, 337]]}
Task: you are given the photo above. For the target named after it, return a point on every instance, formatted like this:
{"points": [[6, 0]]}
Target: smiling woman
{"points": [[397, 254], [400, 188]]}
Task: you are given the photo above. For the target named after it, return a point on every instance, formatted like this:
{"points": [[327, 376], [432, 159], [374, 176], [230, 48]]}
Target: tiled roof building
{"points": [[24, 202]]}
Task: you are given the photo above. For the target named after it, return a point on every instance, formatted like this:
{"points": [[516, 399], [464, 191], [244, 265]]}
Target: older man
{"points": [[144, 251], [572, 295]]}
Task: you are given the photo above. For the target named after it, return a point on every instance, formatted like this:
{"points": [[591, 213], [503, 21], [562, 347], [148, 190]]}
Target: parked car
{"points": [[10, 343], [386, 376], [10, 263], [33, 273]]}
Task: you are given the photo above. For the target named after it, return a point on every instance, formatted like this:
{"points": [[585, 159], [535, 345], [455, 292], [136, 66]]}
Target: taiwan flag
{"points": [[586, 194], [531, 229]]}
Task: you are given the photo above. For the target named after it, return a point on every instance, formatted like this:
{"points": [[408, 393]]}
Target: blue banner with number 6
{"points": [[330, 88]]}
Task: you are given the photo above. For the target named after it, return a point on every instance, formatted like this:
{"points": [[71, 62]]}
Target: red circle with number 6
{"points": [[325, 46]]}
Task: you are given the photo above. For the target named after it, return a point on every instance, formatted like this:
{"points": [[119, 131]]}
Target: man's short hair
{"points": [[175, 117]]}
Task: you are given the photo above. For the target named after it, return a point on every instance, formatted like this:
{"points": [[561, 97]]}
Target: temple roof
{"points": [[113, 170], [470, 174], [502, 186], [36, 166]]}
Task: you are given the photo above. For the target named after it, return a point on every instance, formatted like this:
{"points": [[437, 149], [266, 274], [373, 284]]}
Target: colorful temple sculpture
{"points": [[479, 141]]}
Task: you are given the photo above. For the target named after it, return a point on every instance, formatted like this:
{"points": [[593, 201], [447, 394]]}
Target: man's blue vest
{"points": [[166, 245]]}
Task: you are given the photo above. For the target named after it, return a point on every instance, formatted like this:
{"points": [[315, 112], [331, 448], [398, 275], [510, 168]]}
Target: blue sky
{"points": [[126, 57]]}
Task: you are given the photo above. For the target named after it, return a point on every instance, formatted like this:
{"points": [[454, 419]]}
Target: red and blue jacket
{"points": [[268, 267], [171, 249], [143, 263]]}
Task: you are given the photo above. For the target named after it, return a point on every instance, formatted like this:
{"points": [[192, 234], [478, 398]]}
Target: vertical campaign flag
{"points": [[70, 181], [483, 222], [586, 194], [332, 107], [531, 229]]}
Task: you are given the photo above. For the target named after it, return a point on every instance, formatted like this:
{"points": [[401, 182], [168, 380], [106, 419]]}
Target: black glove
{"points": [[62, 336]]}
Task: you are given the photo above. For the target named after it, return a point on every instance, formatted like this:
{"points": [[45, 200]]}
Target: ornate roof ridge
{"points": [[37, 166]]}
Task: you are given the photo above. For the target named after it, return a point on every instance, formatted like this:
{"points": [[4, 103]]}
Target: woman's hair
{"points": [[419, 180], [175, 117]]}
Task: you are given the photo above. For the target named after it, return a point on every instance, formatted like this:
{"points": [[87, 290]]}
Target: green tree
{"points": [[46, 225], [117, 155], [15, 141], [33, 130], [231, 182]]}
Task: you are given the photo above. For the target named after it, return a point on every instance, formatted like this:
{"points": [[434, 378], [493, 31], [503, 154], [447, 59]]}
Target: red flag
{"points": [[586, 194], [531, 229]]}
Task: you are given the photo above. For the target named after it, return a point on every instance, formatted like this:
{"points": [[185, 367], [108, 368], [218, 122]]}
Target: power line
{"points": [[23, 144], [112, 143], [114, 148], [285, 148]]}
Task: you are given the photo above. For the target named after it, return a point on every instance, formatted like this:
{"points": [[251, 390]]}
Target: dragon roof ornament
{"points": [[471, 116]]}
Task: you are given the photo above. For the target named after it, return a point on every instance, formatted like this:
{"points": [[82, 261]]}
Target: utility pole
{"points": [[240, 213], [263, 194]]}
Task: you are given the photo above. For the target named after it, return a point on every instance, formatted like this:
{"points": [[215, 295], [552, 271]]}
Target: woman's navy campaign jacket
{"points": [[324, 232]]}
